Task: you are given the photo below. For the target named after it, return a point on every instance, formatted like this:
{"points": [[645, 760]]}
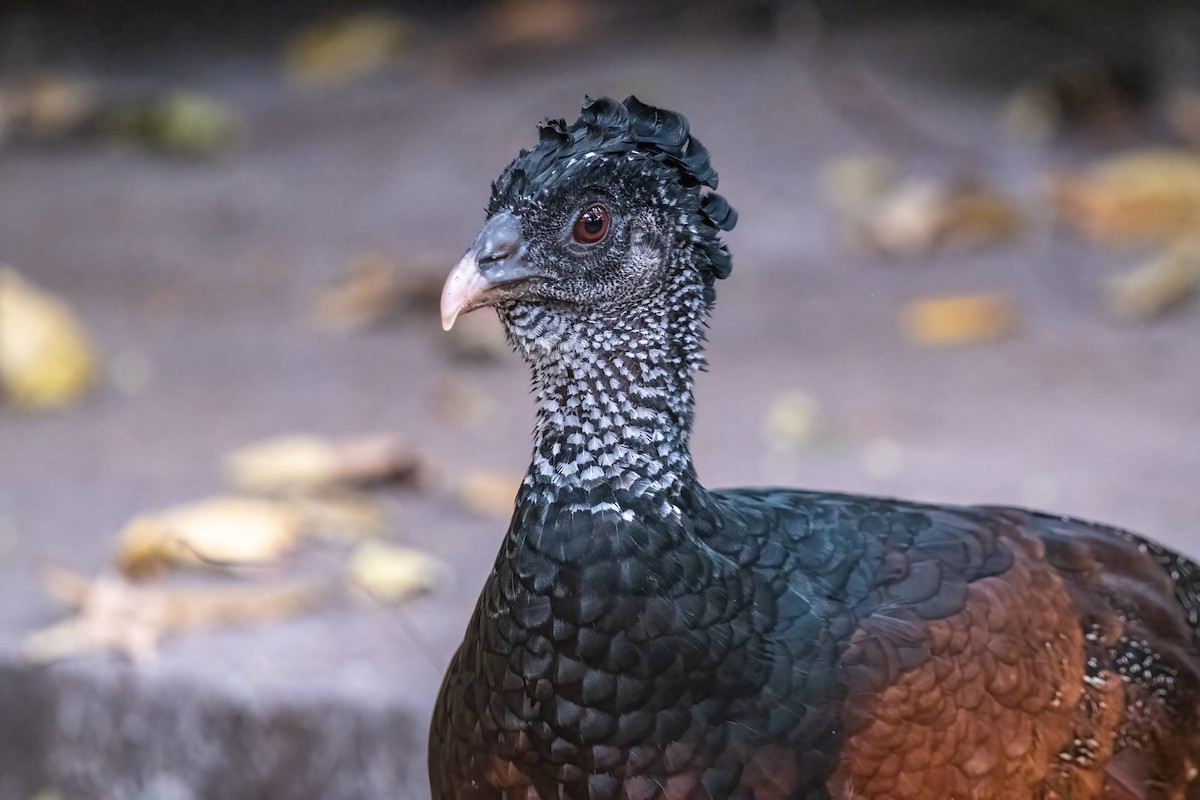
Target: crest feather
{"points": [[607, 126]]}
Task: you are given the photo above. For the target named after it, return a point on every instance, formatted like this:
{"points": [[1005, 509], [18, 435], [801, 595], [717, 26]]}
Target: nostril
{"points": [[499, 240], [498, 251]]}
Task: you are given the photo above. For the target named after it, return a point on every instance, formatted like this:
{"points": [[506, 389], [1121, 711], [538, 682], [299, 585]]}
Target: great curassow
{"points": [[644, 637]]}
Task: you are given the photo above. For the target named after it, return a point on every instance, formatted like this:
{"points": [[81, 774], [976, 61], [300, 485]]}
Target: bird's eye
{"points": [[591, 225]]}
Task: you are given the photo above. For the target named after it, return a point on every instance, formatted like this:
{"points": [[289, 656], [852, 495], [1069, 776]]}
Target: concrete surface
{"points": [[204, 271]]}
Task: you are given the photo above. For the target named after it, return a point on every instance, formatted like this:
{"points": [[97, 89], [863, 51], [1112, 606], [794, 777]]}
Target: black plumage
{"points": [[643, 637]]}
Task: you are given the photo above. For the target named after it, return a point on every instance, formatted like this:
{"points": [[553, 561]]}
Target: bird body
{"points": [[641, 636]]}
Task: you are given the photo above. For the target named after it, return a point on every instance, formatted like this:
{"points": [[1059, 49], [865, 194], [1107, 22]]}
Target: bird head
{"points": [[601, 214]]}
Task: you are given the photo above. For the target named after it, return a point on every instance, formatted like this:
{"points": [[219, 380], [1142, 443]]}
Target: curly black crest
{"points": [[608, 127]]}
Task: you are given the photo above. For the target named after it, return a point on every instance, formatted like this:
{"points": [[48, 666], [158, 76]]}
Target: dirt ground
{"points": [[200, 276]]}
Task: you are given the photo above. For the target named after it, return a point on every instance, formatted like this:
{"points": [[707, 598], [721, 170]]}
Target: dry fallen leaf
{"points": [[854, 184], [918, 215], [340, 516], [45, 357], [375, 290], [520, 24], [175, 122], [47, 106], [303, 462], [1100, 97], [113, 614], [959, 320], [368, 293], [221, 531], [1138, 196], [1159, 284], [345, 49], [492, 493], [389, 572]]}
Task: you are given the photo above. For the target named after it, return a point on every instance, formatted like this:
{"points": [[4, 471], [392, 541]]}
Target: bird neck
{"points": [[614, 400]]}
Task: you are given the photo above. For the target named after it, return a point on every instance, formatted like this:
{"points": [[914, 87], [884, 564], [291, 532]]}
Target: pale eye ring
{"points": [[591, 225]]}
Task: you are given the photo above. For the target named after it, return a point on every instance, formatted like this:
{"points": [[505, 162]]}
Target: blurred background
{"points": [[249, 489]]}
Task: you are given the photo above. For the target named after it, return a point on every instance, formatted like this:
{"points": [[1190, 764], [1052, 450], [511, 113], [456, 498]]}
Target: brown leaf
{"points": [[113, 614], [45, 357], [959, 320], [1103, 98], [1158, 285], [515, 24], [1142, 195]]}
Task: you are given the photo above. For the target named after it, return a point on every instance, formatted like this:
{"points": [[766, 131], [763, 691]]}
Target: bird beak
{"points": [[488, 272]]}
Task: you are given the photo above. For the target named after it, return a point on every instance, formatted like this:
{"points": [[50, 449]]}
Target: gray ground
{"points": [[206, 270]]}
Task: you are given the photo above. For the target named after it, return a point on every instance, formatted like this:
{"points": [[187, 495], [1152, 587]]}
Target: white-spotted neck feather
{"points": [[614, 388]]}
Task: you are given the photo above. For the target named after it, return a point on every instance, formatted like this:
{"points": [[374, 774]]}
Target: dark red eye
{"points": [[591, 225]]}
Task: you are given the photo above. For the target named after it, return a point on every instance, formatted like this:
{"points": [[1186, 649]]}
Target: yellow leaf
{"points": [[282, 462], [221, 531], [179, 123], [1143, 195], [854, 184], [965, 319], [1157, 285], [45, 357], [389, 572], [305, 463]]}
